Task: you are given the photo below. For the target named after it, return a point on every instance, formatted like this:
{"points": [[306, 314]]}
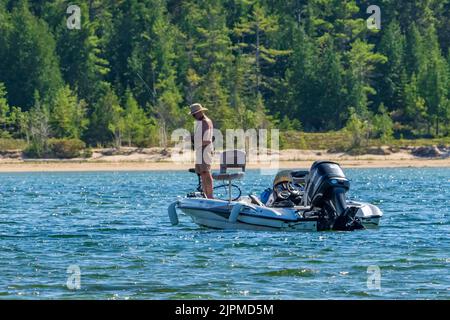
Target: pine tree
{"points": [[415, 108], [331, 83], [4, 110], [32, 62], [301, 79], [104, 119], [5, 29], [208, 59], [136, 124], [254, 30], [383, 124], [68, 115], [81, 51], [362, 62], [392, 46], [416, 58], [142, 51], [434, 82]]}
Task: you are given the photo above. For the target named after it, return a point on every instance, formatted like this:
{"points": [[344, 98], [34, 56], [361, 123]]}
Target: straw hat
{"points": [[196, 108]]}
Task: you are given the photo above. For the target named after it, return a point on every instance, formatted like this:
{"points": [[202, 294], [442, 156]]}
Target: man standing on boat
{"points": [[203, 144]]}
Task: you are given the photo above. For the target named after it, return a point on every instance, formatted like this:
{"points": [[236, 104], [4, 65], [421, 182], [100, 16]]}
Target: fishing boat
{"points": [[298, 200]]}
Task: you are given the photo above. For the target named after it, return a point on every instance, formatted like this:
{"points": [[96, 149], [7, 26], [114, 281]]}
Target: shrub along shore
{"points": [[298, 150]]}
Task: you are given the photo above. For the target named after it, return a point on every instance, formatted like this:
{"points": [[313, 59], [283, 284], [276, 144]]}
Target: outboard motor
{"points": [[326, 187]]}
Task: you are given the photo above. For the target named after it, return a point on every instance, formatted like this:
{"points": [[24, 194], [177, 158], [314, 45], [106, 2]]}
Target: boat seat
{"points": [[228, 176], [231, 159]]}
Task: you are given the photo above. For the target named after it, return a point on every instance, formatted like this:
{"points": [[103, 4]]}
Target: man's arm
{"points": [[207, 131]]}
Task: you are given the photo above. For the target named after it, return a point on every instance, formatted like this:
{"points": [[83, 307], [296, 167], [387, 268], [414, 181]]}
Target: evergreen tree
{"points": [[362, 62], [415, 108], [383, 125], [434, 82], [392, 46], [136, 124], [104, 119], [301, 79], [4, 111], [5, 29], [68, 115], [331, 84], [32, 61], [416, 58], [254, 30], [81, 51], [209, 58]]}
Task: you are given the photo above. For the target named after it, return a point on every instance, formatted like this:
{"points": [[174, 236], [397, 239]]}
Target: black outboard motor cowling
{"points": [[326, 179], [326, 187]]}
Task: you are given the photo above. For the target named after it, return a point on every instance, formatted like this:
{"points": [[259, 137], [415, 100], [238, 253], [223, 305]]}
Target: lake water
{"points": [[114, 227]]}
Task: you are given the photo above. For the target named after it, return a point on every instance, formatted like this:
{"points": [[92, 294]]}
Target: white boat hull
{"points": [[217, 214]]}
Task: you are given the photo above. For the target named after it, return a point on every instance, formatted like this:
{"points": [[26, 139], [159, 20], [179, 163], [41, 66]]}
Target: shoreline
{"points": [[92, 166]]}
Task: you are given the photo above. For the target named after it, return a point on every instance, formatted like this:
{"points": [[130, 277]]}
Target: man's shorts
{"points": [[206, 160], [202, 168]]}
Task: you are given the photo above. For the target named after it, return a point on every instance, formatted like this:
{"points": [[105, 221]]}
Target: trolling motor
{"points": [[326, 187]]}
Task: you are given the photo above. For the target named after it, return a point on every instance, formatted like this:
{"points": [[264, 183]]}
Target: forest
{"points": [[127, 73]]}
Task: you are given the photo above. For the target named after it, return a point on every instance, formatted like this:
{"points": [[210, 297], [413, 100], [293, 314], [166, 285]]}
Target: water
{"points": [[115, 228]]}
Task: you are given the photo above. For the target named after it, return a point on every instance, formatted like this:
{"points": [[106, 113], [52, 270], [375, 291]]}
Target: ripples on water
{"points": [[114, 226]]}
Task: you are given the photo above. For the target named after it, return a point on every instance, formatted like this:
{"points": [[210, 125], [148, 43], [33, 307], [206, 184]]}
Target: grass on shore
{"points": [[342, 141], [12, 144]]}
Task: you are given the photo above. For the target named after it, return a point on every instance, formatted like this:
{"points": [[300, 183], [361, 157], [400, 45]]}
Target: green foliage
{"points": [[134, 123], [12, 144], [81, 51], [127, 76], [287, 124], [363, 62], [359, 130], [104, 124], [68, 115], [36, 126], [415, 107], [31, 60], [57, 148], [383, 125], [4, 109], [392, 45], [66, 148]]}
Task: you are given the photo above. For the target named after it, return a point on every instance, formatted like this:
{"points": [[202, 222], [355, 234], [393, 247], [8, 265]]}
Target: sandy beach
{"points": [[156, 160]]}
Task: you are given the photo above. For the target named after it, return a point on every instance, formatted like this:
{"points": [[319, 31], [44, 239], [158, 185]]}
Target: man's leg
{"points": [[207, 183]]}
